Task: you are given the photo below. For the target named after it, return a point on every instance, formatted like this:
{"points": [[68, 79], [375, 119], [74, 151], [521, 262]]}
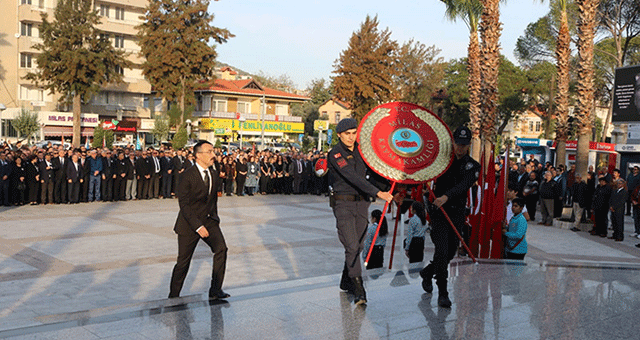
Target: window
{"points": [[104, 36], [118, 41], [337, 116], [35, 94], [25, 60], [530, 126], [26, 2], [119, 70], [244, 107], [282, 110], [119, 13], [104, 10], [219, 105], [538, 126], [7, 129], [40, 3], [25, 29]]}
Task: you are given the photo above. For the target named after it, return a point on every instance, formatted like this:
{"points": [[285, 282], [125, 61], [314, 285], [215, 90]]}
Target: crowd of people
{"points": [[53, 174], [597, 198]]}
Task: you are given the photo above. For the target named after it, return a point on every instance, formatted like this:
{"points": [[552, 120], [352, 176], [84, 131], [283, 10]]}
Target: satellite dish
{"points": [[17, 35]]}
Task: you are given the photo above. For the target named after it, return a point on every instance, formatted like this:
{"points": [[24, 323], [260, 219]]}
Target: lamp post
{"points": [[263, 109], [241, 120], [2, 108]]}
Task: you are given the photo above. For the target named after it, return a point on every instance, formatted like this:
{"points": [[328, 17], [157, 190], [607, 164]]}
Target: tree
{"points": [[563, 53], [74, 61], [174, 40], [320, 91], [26, 123], [282, 82], [470, 11], [364, 71], [100, 134], [180, 138], [585, 100], [419, 72], [620, 19], [160, 128], [490, 32]]}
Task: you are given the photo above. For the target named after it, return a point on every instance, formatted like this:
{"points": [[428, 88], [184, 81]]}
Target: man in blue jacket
{"points": [[95, 172]]}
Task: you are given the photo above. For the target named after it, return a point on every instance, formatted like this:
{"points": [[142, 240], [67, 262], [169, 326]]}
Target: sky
{"points": [[302, 39]]}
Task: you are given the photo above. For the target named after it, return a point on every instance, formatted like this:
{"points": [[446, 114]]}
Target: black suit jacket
{"points": [[73, 174], [196, 205], [618, 199], [60, 169]]}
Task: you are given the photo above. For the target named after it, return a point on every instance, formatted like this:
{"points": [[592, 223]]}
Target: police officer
{"points": [[451, 193], [350, 201]]}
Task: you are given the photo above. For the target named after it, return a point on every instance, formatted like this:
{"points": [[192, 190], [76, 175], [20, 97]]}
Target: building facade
{"points": [[232, 106], [334, 110], [19, 32]]}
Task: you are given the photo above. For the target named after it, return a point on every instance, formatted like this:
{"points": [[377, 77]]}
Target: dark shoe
{"points": [[172, 296], [218, 295], [345, 281], [603, 235], [360, 295], [638, 245], [443, 300], [547, 224], [611, 237], [619, 239], [593, 232], [574, 229], [427, 283]]}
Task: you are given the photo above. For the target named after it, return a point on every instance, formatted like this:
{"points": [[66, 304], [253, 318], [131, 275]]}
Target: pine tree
{"points": [[174, 40], [365, 70], [74, 61], [180, 138]]}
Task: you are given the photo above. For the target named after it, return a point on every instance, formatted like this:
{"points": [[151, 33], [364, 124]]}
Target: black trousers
{"points": [[187, 245], [154, 186], [167, 179], [143, 187], [119, 187], [60, 191], [240, 179], [351, 222], [445, 242], [617, 222], [74, 191], [33, 187], [107, 189], [602, 220]]}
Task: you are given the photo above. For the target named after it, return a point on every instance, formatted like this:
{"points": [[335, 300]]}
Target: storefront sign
{"points": [[127, 126], [527, 142], [572, 145], [66, 119], [250, 125], [628, 148]]}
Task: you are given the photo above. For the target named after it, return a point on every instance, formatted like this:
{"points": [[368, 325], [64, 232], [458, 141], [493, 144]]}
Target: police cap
{"points": [[346, 124]]}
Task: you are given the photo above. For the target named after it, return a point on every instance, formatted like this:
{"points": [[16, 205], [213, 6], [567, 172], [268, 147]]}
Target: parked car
{"points": [[44, 143]]}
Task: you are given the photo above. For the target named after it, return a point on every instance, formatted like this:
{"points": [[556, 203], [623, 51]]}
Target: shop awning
{"points": [[67, 131]]}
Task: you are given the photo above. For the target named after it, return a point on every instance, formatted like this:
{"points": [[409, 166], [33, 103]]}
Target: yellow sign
{"points": [[321, 125], [250, 125]]}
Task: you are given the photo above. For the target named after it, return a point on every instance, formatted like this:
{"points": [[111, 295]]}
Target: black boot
{"points": [[443, 295], [360, 295], [345, 281], [427, 274]]}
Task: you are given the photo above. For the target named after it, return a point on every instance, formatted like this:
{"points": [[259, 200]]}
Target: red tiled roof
{"points": [[227, 68], [248, 87], [345, 105]]}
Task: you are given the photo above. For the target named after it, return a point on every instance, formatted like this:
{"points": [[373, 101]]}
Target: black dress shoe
{"points": [[219, 295], [171, 296], [574, 229], [443, 300]]}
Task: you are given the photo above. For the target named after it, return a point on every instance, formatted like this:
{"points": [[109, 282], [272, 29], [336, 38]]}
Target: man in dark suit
{"points": [[74, 178], [60, 165], [108, 175], [155, 172], [178, 167], [198, 218], [46, 179], [616, 204], [5, 172], [143, 174], [167, 173]]}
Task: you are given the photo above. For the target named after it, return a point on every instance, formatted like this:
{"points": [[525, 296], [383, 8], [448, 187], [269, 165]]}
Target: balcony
{"points": [[32, 13], [128, 3], [25, 44], [118, 26]]}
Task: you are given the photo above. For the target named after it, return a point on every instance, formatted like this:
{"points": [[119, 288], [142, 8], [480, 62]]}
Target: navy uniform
{"points": [[350, 202], [455, 184]]}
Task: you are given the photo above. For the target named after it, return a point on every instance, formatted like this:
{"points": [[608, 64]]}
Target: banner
{"points": [[233, 125], [626, 94]]}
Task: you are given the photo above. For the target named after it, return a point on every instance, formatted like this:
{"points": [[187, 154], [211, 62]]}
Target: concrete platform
{"points": [[101, 271]]}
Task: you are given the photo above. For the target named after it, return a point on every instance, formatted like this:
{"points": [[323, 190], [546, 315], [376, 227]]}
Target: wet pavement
{"points": [[102, 270]]}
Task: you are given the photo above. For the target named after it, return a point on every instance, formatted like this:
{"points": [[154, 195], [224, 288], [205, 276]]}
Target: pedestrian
{"points": [[198, 219], [600, 207], [616, 204], [350, 202], [579, 197], [414, 242], [450, 191], [515, 234], [548, 192], [531, 194], [377, 255]]}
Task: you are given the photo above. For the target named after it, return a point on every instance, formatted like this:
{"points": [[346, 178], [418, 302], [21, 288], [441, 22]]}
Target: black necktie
{"points": [[207, 181]]}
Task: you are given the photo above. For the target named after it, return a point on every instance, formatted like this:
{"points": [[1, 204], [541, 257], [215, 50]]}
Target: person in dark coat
{"points": [[5, 172], [60, 162], [531, 194], [18, 181], [616, 205], [75, 177], [47, 178], [166, 167], [120, 180], [241, 175], [108, 176], [548, 191], [33, 179], [144, 175], [579, 197], [600, 207]]}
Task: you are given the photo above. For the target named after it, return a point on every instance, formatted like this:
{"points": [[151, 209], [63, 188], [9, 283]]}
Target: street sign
{"points": [[321, 125]]}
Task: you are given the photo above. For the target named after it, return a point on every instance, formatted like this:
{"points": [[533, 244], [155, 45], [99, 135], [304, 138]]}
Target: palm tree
{"points": [[563, 53], [490, 29], [469, 11], [586, 31]]}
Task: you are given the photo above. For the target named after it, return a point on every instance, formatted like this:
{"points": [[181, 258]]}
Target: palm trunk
{"points": [[586, 32], [474, 86], [77, 108], [562, 98]]}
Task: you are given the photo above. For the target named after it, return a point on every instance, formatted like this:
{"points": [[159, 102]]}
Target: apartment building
{"points": [[19, 32]]}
